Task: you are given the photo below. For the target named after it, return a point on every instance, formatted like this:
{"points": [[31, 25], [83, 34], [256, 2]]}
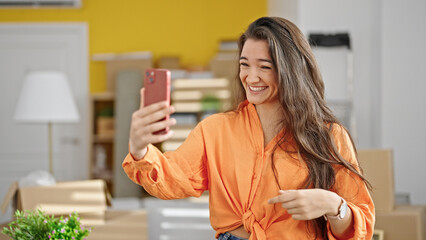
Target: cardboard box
{"points": [[225, 65], [2, 236], [405, 222], [378, 169], [88, 198], [105, 126], [115, 66], [169, 62], [129, 225]]}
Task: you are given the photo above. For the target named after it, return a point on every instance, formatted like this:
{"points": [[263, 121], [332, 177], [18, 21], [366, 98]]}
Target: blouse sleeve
{"points": [[352, 189], [172, 175]]}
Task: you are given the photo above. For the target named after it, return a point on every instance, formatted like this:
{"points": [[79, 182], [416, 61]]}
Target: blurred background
{"points": [[375, 78]]}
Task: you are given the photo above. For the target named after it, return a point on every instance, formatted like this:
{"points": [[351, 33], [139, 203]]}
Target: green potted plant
{"points": [[37, 225]]}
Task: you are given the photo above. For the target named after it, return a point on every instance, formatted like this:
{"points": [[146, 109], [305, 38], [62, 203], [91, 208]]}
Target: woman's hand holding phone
{"points": [[145, 122]]}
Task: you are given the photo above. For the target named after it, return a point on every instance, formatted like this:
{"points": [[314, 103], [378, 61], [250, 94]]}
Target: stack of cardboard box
{"points": [[225, 63], [89, 199], [195, 99], [397, 221]]}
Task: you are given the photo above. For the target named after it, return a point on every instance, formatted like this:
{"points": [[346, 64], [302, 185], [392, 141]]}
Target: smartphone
{"points": [[157, 89]]}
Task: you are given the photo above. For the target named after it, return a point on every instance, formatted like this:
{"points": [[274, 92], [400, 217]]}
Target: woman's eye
{"points": [[244, 64], [265, 67]]}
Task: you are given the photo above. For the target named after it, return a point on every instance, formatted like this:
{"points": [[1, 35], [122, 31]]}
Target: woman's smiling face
{"points": [[257, 73]]}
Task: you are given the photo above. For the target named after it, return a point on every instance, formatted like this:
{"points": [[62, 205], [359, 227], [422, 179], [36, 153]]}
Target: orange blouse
{"points": [[225, 154]]}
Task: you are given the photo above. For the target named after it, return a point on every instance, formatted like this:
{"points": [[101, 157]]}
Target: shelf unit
{"points": [[102, 140], [195, 99]]}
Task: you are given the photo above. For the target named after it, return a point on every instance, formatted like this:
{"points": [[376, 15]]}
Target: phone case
{"points": [[157, 89]]}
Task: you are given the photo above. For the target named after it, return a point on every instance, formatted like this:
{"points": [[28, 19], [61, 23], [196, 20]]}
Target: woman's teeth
{"points": [[256, 89]]}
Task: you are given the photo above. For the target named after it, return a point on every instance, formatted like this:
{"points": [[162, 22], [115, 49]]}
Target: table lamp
{"points": [[46, 98]]}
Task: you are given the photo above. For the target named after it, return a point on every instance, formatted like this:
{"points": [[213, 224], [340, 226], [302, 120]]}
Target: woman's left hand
{"points": [[308, 204]]}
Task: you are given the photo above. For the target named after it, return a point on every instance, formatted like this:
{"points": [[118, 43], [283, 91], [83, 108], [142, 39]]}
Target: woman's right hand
{"points": [[145, 121]]}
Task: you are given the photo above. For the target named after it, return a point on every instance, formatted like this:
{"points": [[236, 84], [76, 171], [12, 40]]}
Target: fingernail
{"points": [[281, 191]]}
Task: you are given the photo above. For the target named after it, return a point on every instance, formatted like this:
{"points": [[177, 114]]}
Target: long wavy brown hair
{"points": [[307, 118]]}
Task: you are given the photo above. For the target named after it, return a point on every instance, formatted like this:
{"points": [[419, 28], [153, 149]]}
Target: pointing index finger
{"points": [[274, 200], [284, 196]]}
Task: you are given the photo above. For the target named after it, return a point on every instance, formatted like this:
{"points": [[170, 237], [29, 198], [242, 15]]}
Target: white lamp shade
{"points": [[46, 97]]}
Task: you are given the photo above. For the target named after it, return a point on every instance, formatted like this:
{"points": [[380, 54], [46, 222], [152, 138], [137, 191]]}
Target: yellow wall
{"points": [[190, 29]]}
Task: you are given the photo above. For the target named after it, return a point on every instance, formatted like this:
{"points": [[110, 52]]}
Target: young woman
{"points": [[280, 166]]}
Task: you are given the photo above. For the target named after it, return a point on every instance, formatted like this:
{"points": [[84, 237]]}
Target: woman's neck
{"points": [[271, 117]]}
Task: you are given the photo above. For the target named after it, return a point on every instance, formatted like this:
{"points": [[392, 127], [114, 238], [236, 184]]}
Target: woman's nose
{"points": [[252, 76]]}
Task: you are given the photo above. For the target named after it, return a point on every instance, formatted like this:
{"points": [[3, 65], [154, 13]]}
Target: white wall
{"points": [[403, 92], [361, 19], [287, 8], [356, 18], [24, 147], [388, 39]]}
